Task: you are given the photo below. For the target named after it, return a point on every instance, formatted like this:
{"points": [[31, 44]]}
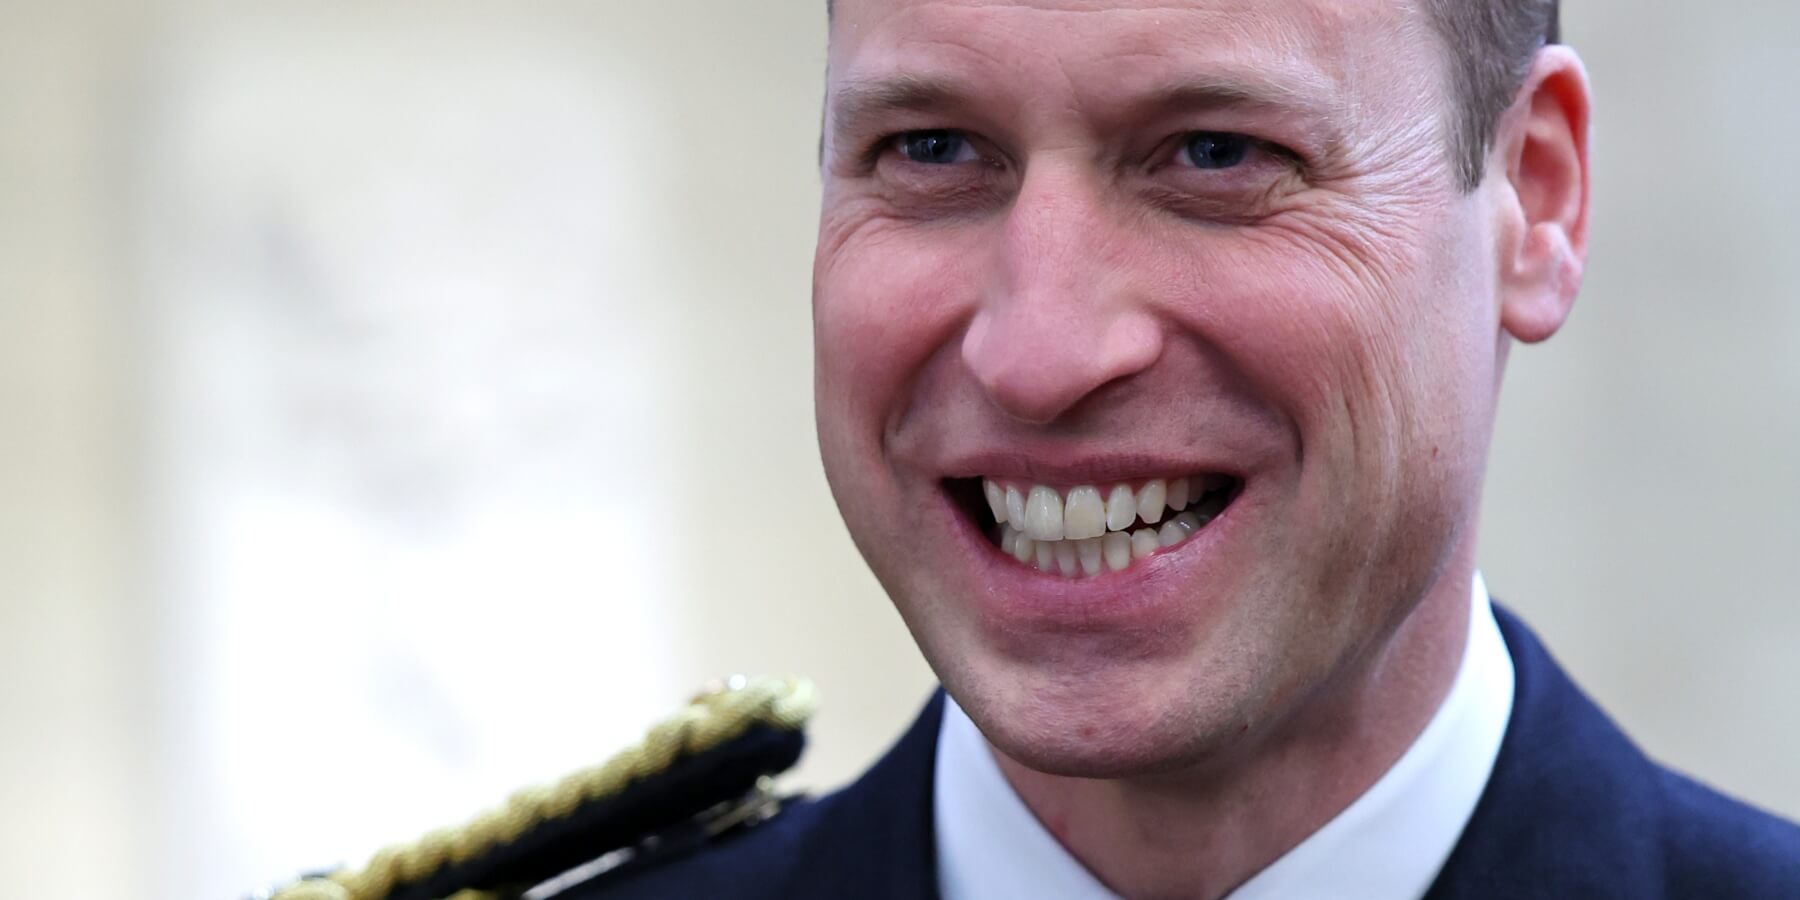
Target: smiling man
{"points": [[1158, 350]]}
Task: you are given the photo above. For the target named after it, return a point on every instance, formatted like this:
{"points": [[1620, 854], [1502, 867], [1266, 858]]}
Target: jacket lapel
{"points": [[875, 839], [1564, 776], [1568, 810]]}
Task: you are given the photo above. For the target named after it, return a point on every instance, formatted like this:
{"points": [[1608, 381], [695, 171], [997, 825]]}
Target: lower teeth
{"points": [[1094, 556]]}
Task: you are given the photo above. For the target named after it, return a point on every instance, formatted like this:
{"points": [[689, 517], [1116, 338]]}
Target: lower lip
{"points": [[1013, 596]]}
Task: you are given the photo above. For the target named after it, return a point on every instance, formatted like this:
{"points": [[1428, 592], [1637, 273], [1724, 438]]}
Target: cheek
{"points": [[1358, 335], [1312, 333], [886, 300]]}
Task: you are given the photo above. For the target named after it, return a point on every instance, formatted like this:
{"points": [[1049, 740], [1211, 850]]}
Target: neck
{"points": [[1199, 835]]}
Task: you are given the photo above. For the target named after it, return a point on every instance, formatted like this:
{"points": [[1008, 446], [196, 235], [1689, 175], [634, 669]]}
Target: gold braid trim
{"points": [[709, 720]]}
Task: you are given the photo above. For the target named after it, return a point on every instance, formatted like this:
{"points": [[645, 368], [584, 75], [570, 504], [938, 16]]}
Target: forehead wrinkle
{"points": [[1057, 6], [1260, 47], [1300, 63]]}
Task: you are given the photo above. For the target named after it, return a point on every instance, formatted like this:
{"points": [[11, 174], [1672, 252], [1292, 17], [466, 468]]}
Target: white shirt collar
{"points": [[1387, 845]]}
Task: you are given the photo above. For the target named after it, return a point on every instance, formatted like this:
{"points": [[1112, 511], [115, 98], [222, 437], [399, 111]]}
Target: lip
{"points": [[1038, 468], [1015, 599]]}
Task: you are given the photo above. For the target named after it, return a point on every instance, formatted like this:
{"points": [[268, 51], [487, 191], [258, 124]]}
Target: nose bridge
{"points": [[1045, 260], [1059, 317]]}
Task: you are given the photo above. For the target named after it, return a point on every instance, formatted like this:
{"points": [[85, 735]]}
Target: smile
{"points": [[1089, 530]]}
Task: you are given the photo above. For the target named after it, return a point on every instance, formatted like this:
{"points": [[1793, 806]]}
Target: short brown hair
{"points": [[1491, 44]]}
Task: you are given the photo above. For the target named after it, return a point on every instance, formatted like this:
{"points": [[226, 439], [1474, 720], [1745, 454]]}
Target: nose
{"points": [[1060, 317]]}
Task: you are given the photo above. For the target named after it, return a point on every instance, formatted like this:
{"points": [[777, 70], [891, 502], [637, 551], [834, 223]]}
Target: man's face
{"points": [[1121, 246]]}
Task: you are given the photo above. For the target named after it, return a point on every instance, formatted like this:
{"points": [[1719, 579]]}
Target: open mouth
{"points": [[1090, 530]]}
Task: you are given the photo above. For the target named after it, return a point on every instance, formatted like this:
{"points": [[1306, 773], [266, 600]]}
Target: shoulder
{"points": [[1717, 846], [1575, 809], [870, 840], [757, 863]]}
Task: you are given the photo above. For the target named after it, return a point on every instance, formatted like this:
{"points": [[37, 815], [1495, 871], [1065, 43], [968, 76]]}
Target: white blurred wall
{"points": [[1643, 501], [401, 403], [76, 767], [409, 465]]}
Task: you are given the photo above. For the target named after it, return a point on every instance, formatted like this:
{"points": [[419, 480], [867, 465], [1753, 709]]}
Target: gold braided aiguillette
{"points": [[709, 720]]}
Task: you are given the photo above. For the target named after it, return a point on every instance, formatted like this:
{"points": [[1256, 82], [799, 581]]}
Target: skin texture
{"points": [[1070, 300]]}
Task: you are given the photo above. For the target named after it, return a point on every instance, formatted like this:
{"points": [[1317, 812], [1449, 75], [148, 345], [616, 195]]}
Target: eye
{"points": [[935, 148], [1217, 150]]}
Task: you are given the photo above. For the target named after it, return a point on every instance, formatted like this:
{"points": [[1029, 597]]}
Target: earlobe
{"points": [[1542, 146], [1538, 302]]}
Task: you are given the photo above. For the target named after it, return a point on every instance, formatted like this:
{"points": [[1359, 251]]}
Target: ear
{"points": [[1542, 147]]}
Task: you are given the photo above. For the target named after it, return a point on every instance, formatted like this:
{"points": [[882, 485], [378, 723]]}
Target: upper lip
{"points": [[1080, 468]]}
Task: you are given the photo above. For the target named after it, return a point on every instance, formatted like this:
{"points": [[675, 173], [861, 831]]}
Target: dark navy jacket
{"points": [[1573, 810]]}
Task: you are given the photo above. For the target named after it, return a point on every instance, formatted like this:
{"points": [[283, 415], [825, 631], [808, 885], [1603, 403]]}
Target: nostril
{"points": [[1002, 367], [1037, 367], [1025, 383]]}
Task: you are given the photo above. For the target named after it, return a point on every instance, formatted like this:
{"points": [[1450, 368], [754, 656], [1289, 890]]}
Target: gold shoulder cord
{"points": [[711, 719]]}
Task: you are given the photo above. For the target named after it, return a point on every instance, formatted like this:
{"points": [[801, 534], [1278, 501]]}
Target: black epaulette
{"points": [[706, 771]]}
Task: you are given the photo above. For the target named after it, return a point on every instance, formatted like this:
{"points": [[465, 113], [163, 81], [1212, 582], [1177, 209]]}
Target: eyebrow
{"points": [[856, 103]]}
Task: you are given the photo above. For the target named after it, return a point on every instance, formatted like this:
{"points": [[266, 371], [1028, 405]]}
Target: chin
{"points": [[1126, 721]]}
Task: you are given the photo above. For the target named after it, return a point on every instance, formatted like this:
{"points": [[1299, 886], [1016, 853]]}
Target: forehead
{"points": [[1093, 47]]}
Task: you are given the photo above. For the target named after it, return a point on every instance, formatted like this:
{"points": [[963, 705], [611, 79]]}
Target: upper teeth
{"points": [[1087, 530], [1044, 513]]}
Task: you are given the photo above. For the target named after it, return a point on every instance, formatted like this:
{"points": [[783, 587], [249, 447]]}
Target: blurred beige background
{"points": [[401, 403]]}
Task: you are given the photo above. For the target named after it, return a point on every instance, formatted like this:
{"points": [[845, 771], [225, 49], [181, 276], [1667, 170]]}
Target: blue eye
{"points": [[938, 148], [1217, 150]]}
